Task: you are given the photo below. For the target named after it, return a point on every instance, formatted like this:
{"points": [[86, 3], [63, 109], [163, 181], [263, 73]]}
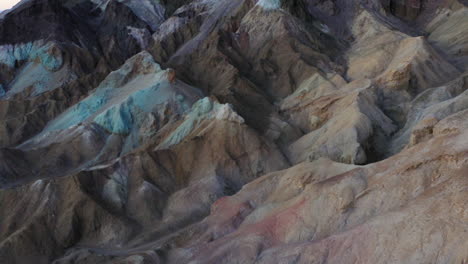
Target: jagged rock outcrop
{"points": [[343, 125], [314, 213], [233, 131], [61, 55]]}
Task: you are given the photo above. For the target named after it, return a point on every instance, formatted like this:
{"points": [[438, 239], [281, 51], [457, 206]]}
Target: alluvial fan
{"points": [[234, 131]]}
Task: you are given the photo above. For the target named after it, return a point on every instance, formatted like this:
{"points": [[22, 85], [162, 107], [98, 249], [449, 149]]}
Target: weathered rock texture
{"points": [[234, 131]]}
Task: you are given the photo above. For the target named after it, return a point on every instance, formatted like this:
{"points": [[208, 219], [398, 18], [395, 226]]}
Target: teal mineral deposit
{"points": [[269, 4], [10, 55], [203, 109], [126, 96]]}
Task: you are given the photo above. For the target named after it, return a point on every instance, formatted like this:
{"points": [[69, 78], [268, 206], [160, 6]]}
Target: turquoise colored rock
{"points": [[118, 119], [125, 98], [10, 54], [269, 4], [79, 113], [42, 67], [51, 58], [48, 54], [201, 110]]}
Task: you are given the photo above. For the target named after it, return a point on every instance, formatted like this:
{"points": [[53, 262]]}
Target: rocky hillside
{"points": [[234, 131]]}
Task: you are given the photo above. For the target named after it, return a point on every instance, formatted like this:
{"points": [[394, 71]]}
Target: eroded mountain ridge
{"points": [[234, 131]]}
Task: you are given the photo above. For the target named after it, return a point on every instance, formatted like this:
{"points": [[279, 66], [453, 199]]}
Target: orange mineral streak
{"points": [[171, 76]]}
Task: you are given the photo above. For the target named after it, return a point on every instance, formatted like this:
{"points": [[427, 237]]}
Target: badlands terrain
{"points": [[234, 131]]}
